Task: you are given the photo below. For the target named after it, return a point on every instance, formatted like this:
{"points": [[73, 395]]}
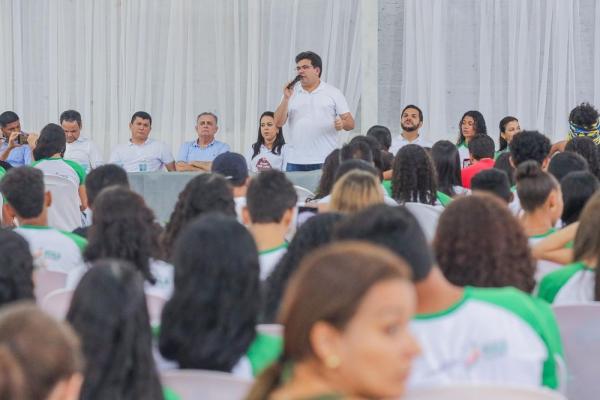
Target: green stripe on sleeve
{"points": [[79, 241], [78, 170], [263, 351], [554, 281]]}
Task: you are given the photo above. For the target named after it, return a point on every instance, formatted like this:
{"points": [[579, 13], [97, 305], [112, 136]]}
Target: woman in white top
{"points": [[269, 150]]}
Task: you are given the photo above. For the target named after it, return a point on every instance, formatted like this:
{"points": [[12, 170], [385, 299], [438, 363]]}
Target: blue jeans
{"points": [[302, 167]]}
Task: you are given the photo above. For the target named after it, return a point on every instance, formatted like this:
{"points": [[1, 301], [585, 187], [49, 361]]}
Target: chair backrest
{"points": [[427, 216], [303, 193], [482, 391], [270, 329], [47, 281], [155, 305], [57, 303], [579, 326], [199, 384], [64, 213]]}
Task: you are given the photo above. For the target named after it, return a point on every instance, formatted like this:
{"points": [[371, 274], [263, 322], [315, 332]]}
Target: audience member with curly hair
{"points": [[125, 228], [314, 233], [202, 194], [530, 146], [414, 177], [17, 268], [479, 242], [108, 312], [209, 323]]}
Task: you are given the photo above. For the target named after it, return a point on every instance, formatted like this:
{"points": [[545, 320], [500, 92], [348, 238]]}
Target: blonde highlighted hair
{"points": [[355, 191]]}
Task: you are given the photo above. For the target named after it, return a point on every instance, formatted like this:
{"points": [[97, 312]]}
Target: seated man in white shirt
{"points": [[28, 202], [142, 154], [79, 149], [411, 121], [271, 199]]}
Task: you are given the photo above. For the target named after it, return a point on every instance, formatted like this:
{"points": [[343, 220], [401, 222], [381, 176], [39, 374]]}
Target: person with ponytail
{"points": [[578, 282], [541, 200], [356, 344]]}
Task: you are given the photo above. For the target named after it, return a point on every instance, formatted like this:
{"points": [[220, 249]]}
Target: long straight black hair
{"points": [[279, 140]]}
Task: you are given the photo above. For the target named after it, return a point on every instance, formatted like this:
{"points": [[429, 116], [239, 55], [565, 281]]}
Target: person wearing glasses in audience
{"points": [[314, 112], [197, 155]]}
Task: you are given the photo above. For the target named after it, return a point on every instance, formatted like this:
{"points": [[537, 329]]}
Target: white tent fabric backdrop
{"points": [[174, 59], [534, 59]]}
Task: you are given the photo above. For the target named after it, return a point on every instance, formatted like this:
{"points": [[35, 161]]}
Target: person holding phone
{"points": [[314, 112], [15, 146]]}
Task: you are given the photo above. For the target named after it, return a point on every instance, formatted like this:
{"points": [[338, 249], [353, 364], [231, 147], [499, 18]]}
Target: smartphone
{"points": [[304, 214], [22, 138]]}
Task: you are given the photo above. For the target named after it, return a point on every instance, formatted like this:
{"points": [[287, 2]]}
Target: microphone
{"points": [[296, 80]]}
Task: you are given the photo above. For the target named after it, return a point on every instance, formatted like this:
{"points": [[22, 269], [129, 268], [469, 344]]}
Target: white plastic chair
{"points": [[57, 303], [579, 326], [482, 391], [64, 213], [270, 329], [199, 384], [303, 194], [47, 281], [155, 305], [427, 216]]}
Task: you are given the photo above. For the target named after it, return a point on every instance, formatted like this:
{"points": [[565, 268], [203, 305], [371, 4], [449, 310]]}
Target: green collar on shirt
{"points": [[543, 235], [284, 245]]}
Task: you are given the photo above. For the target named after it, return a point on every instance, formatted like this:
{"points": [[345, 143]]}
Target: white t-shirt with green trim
{"points": [[63, 179], [493, 335], [543, 267], [268, 259], [54, 249], [572, 284]]}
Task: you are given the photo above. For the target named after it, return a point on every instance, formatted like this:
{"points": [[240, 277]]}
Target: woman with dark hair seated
{"points": [[314, 233], [346, 316], [479, 242], [414, 178], [108, 312], [447, 165], [471, 124], [268, 152], [16, 270], [125, 228], [210, 321], [204, 193]]}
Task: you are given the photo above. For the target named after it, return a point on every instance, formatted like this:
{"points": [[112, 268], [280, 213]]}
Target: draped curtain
{"points": [[171, 58], [534, 59]]}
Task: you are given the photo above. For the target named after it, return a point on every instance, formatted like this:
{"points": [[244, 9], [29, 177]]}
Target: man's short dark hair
{"points": [[481, 146], [103, 177], [24, 190], [208, 113], [382, 134], [563, 163], [584, 115], [8, 117], [494, 181], [354, 164], [71, 116], [270, 194], [314, 58], [415, 108], [529, 145], [356, 150], [142, 115], [394, 228]]}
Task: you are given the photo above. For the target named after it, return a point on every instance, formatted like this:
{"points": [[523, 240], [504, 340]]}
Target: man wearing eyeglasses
{"points": [[314, 111]]}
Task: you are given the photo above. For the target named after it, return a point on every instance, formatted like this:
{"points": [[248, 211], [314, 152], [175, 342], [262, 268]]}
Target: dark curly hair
{"points": [[584, 115], [480, 127], [108, 312], [447, 164], [209, 323], [314, 233], [585, 147], [529, 145], [204, 193], [124, 228], [17, 268], [330, 166], [414, 178], [479, 242]]}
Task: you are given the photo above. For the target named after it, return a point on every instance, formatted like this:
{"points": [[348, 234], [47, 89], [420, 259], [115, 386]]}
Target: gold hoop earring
{"points": [[332, 362]]}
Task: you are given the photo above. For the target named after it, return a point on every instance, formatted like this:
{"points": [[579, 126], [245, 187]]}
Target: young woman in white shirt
{"points": [[268, 152]]}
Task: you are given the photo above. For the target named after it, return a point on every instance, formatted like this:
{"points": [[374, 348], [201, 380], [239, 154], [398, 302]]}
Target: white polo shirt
{"points": [[85, 153], [311, 123], [148, 157], [399, 142]]}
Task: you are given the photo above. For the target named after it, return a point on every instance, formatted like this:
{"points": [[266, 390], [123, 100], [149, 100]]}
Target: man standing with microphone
{"points": [[314, 112]]}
